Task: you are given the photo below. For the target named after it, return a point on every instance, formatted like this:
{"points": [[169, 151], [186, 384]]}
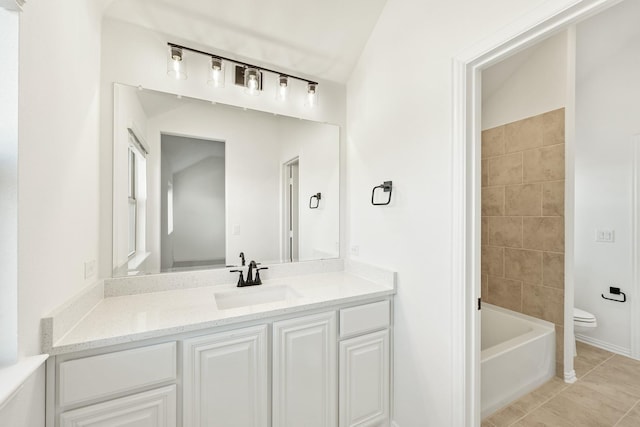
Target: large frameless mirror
{"points": [[196, 184]]}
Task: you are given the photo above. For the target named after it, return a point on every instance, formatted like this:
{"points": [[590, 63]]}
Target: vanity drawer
{"points": [[97, 377], [364, 318]]}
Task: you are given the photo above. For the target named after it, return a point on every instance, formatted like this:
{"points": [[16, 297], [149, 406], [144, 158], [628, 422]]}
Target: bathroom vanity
{"points": [[307, 350]]}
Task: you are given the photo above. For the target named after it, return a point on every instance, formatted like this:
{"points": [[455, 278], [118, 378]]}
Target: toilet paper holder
{"points": [[615, 291]]}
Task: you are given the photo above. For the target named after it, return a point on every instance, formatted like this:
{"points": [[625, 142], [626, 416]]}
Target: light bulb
{"points": [[283, 88], [312, 95], [252, 81], [176, 65], [216, 73]]}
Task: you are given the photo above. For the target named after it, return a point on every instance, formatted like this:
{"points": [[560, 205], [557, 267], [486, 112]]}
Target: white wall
{"points": [[26, 407], [58, 157], [400, 129], [315, 145], [137, 56], [8, 188], [529, 83], [607, 118]]}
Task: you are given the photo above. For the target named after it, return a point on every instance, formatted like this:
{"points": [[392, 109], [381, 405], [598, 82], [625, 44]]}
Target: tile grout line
{"points": [[597, 366], [535, 408], [626, 413]]}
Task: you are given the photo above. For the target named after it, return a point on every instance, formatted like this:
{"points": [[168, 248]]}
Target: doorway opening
{"points": [[538, 25]]}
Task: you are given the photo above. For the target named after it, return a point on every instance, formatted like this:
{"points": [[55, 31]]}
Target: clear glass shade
{"points": [[282, 89], [311, 100], [252, 81], [216, 72], [176, 65]]}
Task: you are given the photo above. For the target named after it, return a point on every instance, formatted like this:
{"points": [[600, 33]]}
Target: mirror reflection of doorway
{"points": [[292, 208], [193, 203]]}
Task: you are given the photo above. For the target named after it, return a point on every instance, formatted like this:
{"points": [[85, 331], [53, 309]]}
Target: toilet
{"points": [[583, 321]]}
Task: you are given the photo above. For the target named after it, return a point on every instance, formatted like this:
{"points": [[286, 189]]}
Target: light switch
{"points": [[605, 235], [235, 230]]}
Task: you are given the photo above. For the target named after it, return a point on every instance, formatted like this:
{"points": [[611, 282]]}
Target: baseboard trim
{"points": [[570, 377], [604, 345]]}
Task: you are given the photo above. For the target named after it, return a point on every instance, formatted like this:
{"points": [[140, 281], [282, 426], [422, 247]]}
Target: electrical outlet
{"points": [[605, 235], [355, 250], [89, 269], [235, 230]]}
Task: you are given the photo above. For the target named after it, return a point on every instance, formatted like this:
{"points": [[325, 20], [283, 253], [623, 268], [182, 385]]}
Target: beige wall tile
{"points": [[543, 164], [484, 170], [524, 134], [484, 292], [525, 200], [484, 231], [544, 303], [553, 270], [505, 293], [505, 231], [553, 125], [505, 170], [492, 201], [523, 265], [553, 198], [493, 142], [543, 233], [492, 261]]}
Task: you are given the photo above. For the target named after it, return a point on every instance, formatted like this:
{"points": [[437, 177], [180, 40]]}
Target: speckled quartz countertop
{"points": [[129, 318]]}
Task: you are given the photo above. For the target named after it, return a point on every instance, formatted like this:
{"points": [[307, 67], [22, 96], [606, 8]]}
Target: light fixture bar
{"points": [[241, 63]]}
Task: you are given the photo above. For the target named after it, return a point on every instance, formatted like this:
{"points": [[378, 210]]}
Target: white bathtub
{"points": [[518, 355]]}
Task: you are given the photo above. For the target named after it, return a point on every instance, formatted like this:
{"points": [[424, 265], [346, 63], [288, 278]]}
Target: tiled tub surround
{"points": [[523, 219], [183, 302]]}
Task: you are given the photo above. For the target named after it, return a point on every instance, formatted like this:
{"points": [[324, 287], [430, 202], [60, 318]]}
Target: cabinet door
{"points": [[155, 408], [304, 372], [364, 380], [225, 379]]}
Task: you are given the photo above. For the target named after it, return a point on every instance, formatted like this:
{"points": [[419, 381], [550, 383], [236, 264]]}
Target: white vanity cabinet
{"points": [[364, 365], [325, 369], [156, 408], [304, 371], [225, 379], [132, 388]]}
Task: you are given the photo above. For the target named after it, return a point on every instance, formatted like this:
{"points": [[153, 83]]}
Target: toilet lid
{"points": [[583, 316]]}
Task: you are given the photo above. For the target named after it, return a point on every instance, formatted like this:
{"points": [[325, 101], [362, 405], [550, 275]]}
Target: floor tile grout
{"points": [[535, 408], [626, 413]]}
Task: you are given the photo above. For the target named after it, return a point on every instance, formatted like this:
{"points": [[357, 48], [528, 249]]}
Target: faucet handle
{"points": [[241, 281], [258, 281]]}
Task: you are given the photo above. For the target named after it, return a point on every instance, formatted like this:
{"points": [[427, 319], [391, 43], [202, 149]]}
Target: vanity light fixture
{"points": [[176, 67], [252, 81], [283, 88], [216, 72]]}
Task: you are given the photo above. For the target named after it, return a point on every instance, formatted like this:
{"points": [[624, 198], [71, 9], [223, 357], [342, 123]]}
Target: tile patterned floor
{"points": [[606, 394]]}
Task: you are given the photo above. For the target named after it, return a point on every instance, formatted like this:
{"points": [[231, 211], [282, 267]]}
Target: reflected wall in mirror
{"points": [[195, 184]]}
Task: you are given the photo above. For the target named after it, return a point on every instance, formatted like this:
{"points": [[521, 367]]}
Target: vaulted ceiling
{"points": [[319, 38]]}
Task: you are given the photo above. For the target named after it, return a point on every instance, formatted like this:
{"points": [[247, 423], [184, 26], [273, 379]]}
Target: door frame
{"points": [[547, 19]]}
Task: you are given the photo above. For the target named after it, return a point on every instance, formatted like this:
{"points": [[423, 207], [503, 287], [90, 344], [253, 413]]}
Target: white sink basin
{"points": [[254, 295]]}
